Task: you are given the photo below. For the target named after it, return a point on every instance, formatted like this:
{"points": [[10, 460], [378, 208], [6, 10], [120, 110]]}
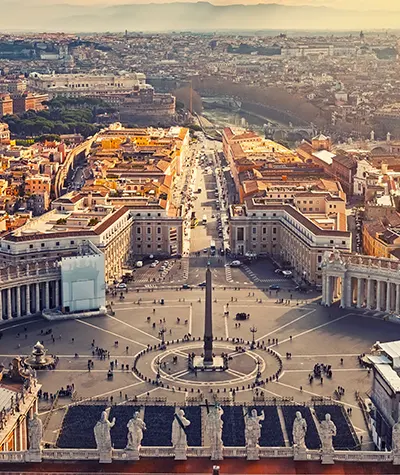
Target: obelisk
{"points": [[208, 335]]}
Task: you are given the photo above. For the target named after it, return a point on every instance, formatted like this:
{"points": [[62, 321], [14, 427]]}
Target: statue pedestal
{"points": [[327, 458], [216, 454], [105, 456], [299, 453], [131, 454], [180, 453], [34, 456], [253, 453]]}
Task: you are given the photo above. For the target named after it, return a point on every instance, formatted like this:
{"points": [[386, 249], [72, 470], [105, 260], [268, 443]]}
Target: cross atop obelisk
{"points": [[208, 335]]}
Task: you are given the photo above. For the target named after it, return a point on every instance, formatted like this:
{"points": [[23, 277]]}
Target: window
{"points": [[343, 242], [319, 258], [148, 246], [42, 245], [274, 214], [158, 230], [273, 230], [331, 241], [240, 234], [138, 230], [148, 230], [57, 243], [254, 230], [30, 246], [264, 230], [72, 242]]}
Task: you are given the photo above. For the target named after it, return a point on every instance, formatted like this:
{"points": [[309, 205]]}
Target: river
{"points": [[223, 118]]}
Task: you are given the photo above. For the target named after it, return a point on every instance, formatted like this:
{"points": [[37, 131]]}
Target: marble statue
{"points": [[253, 428], [214, 424], [102, 431], [396, 438], [299, 431], [136, 426], [179, 438], [35, 432], [327, 431]]}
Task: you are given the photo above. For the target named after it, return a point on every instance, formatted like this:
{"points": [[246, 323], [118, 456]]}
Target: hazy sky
{"points": [[342, 4]]}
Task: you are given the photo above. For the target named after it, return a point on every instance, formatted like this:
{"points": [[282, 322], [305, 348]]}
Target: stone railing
{"points": [[168, 452], [362, 456]]}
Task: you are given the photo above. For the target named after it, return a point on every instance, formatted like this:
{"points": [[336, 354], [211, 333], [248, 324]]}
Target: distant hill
{"points": [[201, 16]]}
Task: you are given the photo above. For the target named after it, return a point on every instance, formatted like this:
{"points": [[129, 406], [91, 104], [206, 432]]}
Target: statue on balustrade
{"points": [[179, 436], [253, 428], [396, 438], [214, 424], [299, 431], [35, 432], [102, 431], [327, 431], [136, 426]]}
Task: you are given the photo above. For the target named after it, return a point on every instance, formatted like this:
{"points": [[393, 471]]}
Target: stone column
{"points": [[343, 293], [28, 299], [378, 295], [1, 304], [388, 297], [369, 293], [359, 293], [57, 292], [397, 298], [9, 308], [328, 300], [323, 299], [37, 298], [46, 296], [349, 292], [18, 297]]}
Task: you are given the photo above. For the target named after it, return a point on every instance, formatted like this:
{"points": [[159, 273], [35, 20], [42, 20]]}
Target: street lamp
{"points": [[253, 330], [162, 332], [158, 363]]}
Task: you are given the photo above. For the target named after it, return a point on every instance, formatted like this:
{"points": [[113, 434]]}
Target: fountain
{"points": [[39, 358]]}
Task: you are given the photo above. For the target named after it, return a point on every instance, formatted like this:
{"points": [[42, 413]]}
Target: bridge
{"points": [[62, 172]]}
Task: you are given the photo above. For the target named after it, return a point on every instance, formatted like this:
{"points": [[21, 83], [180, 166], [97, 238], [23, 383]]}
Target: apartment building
{"points": [[285, 233]]}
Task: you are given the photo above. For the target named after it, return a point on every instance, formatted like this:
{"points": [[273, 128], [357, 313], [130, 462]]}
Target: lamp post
{"points": [[253, 330], [158, 363], [162, 333]]}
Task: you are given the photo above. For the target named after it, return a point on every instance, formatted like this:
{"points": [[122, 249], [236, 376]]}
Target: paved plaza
{"points": [[312, 334]]}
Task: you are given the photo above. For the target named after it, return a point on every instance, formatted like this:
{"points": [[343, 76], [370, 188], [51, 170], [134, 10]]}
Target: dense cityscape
{"points": [[200, 252]]}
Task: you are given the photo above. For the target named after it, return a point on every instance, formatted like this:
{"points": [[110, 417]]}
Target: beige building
{"points": [[285, 233]]}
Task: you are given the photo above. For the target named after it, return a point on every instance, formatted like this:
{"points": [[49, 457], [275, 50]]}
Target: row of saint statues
{"points": [[213, 426]]}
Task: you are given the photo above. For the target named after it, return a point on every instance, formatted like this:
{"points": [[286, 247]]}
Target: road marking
{"points": [[93, 397], [314, 394], [270, 392], [110, 332], [24, 324], [317, 327], [321, 356], [286, 324], [235, 373], [134, 328], [147, 392], [190, 319]]}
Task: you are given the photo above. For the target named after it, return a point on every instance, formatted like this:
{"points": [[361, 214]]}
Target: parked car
{"points": [[121, 285], [274, 287], [202, 284], [235, 264], [287, 273], [186, 286], [139, 264], [153, 264]]}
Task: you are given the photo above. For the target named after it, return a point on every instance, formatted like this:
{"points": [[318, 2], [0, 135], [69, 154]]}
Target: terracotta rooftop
{"points": [[203, 466]]}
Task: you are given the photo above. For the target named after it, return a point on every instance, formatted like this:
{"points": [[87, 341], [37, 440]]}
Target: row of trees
{"points": [[64, 116]]}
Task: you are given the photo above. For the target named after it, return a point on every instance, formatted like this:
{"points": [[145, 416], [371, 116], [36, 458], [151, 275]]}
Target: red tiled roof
{"points": [[166, 466]]}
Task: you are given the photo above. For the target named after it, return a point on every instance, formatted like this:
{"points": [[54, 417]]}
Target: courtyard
{"points": [[308, 332]]}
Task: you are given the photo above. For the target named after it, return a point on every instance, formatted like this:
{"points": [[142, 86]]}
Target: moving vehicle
{"points": [[202, 284], [213, 249], [121, 285], [235, 264], [204, 219], [287, 273], [139, 264], [274, 287], [194, 222]]}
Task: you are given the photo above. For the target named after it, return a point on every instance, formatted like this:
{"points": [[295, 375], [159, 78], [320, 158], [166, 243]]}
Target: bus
{"points": [[204, 219], [213, 249]]}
